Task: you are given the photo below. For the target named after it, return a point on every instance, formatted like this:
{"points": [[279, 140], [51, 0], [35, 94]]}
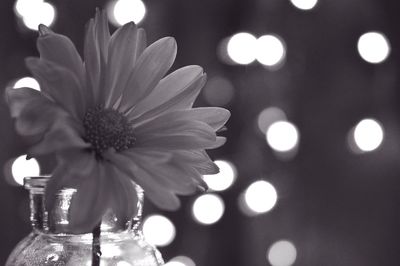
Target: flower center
{"points": [[107, 128]]}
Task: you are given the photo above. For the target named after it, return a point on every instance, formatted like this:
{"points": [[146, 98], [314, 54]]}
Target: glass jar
{"points": [[121, 242]]}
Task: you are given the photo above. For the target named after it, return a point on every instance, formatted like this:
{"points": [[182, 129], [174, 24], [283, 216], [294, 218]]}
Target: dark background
{"points": [[338, 208]]}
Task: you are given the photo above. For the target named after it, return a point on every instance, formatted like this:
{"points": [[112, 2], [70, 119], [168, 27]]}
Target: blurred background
{"points": [[310, 172]]}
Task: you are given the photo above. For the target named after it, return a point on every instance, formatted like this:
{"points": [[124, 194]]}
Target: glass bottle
{"points": [[121, 242]]}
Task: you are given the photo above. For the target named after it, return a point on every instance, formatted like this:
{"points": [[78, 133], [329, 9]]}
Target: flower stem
{"points": [[96, 251]]}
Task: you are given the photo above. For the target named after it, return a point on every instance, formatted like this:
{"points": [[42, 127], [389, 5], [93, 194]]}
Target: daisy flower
{"points": [[115, 119]]}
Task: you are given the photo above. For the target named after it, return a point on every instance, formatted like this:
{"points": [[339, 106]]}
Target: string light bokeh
{"points": [[27, 82], [158, 230], [123, 11], [282, 253], [313, 90], [35, 12], [373, 47], [208, 209]]}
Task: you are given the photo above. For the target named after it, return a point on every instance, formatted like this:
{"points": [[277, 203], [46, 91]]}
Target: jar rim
{"points": [[36, 182]]}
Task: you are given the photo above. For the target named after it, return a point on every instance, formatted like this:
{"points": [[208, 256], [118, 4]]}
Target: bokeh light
{"points": [[260, 197], [368, 135], [35, 12], [268, 116], [121, 12], [21, 168], [208, 209], [282, 253], [282, 136], [27, 82], [224, 179], [241, 48], [373, 47], [158, 230], [181, 261], [270, 50], [219, 91], [24, 7], [304, 4]]}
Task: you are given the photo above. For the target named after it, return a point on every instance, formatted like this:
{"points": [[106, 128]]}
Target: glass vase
{"points": [[121, 242]]}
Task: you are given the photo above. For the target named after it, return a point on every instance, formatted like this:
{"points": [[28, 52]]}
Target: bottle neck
{"points": [[57, 220], [38, 215]]}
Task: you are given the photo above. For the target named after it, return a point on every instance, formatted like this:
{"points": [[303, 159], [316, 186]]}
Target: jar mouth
{"points": [[57, 219], [36, 182]]}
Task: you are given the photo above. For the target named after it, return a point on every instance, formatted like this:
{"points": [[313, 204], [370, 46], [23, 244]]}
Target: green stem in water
{"points": [[96, 251]]}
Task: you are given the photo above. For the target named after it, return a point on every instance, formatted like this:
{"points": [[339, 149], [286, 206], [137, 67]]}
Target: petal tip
{"points": [[196, 69], [131, 24], [203, 188], [226, 114], [99, 13], [44, 30], [170, 42]]}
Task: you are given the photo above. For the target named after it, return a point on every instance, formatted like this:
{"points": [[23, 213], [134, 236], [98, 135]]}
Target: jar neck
{"points": [[57, 220]]}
